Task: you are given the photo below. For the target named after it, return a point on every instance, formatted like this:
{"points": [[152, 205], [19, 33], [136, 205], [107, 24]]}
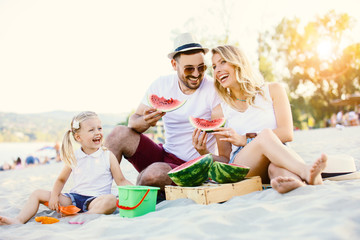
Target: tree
{"points": [[313, 61]]}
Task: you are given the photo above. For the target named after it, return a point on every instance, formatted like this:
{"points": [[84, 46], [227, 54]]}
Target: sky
{"points": [[101, 55]]}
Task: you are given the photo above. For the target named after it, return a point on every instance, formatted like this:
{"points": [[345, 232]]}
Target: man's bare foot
{"points": [[9, 221], [319, 165], [285, 184]]}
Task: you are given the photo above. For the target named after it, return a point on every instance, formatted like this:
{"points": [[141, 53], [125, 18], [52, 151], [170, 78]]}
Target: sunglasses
{"points": [[190, 70]]}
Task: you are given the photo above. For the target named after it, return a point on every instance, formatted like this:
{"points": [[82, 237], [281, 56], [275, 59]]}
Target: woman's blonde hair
{"points": [[67, 150], [250, 81]]}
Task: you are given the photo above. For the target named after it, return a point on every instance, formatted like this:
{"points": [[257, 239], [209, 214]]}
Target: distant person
{"points": [[333, 120], [353, 118], [339, 117], [46, 160], [29, 160], [92, 167], [18, 163], [6, 166], [346, 121], [153, 161], [311, 122], [258, 123], [57, 150]]}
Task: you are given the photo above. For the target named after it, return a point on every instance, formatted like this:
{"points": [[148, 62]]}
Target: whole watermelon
{"points": [[227, 173], [192, 173]]}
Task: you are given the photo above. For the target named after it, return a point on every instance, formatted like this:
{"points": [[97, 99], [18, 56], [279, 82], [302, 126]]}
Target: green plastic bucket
{"points": [[136, 201]]}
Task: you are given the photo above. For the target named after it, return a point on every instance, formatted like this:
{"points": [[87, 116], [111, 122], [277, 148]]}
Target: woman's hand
{"points": [[199, 140], [229, 135]]}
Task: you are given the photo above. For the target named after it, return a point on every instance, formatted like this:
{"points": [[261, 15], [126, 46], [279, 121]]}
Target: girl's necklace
{"points": [[241, 100]]}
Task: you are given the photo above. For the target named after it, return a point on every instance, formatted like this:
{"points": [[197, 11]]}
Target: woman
{"points": [[259, 122]]}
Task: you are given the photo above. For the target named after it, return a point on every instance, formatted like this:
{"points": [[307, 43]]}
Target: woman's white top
{"points": [[254, 119], [92, 175]]}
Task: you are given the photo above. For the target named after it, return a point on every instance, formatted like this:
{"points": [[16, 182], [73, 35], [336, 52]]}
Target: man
{"points": [[154, 161]]}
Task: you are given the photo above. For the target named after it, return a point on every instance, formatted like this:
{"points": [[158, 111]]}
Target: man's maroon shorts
{"points": [[149, 152]]}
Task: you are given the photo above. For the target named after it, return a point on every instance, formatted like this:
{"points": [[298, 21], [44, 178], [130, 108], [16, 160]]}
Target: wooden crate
{"points": [[214, 193]]}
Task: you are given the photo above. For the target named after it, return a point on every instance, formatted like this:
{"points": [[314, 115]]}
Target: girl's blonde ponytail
{"points": [[67, 151]]}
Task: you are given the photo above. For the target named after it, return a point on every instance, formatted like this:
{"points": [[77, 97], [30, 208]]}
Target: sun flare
{"points": [[325, 49]]}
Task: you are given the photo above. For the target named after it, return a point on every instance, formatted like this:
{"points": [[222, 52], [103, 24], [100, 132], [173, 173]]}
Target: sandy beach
{"points": [[328, 211]]}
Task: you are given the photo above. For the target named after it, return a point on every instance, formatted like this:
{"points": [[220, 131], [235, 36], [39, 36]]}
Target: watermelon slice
{"points": [[163, 104], [227, 173], [207, 125], [192, 173]]}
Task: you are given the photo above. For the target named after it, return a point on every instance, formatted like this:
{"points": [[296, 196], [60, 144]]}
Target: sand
{"points": [[328, 211]]}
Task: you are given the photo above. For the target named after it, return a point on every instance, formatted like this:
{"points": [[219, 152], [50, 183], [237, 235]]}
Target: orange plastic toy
{"points": [[68, 210], [46, 220]]}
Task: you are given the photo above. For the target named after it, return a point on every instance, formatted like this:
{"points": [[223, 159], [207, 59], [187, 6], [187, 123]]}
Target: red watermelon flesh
{"points": [[237, 165], [207, 125], [164, 104], [192, 173]]}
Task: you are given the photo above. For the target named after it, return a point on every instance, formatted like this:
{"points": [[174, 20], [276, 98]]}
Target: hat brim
{"points": [[341, 176], [172, 54]]}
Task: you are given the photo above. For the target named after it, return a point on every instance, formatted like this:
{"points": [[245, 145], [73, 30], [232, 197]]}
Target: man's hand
{"points": [[199, 140], [152, 116]]}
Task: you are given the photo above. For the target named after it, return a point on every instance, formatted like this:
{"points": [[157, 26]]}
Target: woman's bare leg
{"points": [[286, 184], [283, 180], [267, 147]]}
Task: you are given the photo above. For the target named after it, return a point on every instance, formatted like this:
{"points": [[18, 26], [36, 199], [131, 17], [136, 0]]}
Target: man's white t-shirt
{"points": [[178, 129]]}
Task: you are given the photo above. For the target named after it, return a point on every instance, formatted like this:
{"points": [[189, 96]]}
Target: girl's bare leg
{"points": [[29, 209], [32, 206], [105, 204], [8, 221]]}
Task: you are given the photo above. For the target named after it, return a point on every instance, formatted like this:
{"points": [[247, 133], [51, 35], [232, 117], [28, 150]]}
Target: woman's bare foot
{"points": [[9, 221], [285, 184], [319, 165]]}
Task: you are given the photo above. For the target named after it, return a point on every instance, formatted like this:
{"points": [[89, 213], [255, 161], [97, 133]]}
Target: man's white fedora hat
{"points": [[185, 42], [340, 167]]}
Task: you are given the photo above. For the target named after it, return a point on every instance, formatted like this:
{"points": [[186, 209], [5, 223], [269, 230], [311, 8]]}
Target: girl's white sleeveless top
{"points": [[253, 119], [92, 175]]}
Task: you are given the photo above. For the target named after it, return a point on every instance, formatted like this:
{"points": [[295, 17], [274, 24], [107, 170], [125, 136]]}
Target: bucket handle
{"points": [[131, 208]]}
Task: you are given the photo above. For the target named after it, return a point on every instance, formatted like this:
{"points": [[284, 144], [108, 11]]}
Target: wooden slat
{"points": [[214, 193]]}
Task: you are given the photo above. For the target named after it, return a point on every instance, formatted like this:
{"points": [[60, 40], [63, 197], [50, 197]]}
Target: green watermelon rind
{"points": [[193, 175], [226, 173], [181, 103], [209, 130]]}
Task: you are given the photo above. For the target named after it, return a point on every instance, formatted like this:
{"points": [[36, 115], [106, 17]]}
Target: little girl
{"points": [[93, 169]]}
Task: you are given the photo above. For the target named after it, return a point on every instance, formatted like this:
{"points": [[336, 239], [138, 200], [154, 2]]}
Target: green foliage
{"points": [[313, 61], [266, 69], [125, 121], [44, 127]]}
